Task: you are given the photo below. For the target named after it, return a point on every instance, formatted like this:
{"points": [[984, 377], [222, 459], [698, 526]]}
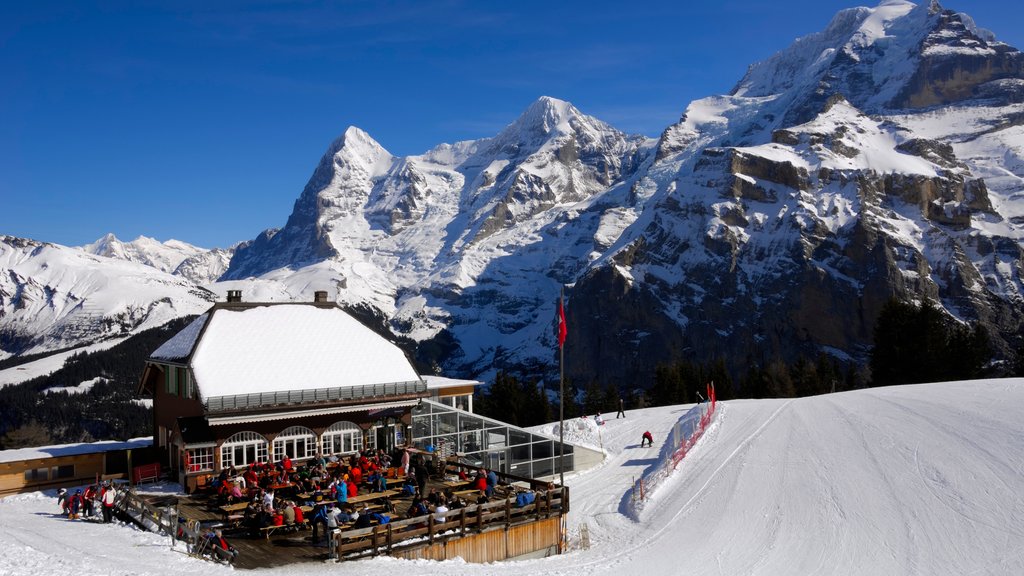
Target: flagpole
{"points": [[561, 394]]}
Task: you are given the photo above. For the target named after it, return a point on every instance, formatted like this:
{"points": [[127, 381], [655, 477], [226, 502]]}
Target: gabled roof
{"points": [[237, 349]]}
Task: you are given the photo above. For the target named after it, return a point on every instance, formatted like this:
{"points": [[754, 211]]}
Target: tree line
{"points": [[109, 410]]}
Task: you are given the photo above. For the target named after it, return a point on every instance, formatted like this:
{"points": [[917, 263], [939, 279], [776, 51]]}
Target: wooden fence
{"points": [[424, 531]]}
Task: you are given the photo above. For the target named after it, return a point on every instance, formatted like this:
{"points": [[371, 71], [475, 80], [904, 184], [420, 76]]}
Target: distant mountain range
{"points": [[880, 158]]}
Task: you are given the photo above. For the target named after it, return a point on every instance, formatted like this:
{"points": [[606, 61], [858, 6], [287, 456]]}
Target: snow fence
{"points": [[681, 439]]}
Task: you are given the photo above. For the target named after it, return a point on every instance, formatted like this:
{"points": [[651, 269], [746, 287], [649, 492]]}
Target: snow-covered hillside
{"points": [[920, 479], [880, 158], [199, 265], [53, 297]]}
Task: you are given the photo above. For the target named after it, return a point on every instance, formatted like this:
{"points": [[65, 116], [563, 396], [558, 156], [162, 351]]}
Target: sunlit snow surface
{"points": [[905, 480]]}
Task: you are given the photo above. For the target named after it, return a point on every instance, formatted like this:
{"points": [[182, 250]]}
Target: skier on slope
{"points": [[647, 438]]}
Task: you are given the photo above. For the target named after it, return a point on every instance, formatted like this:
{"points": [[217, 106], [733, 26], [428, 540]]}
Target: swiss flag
{"points": [[562, 330]]}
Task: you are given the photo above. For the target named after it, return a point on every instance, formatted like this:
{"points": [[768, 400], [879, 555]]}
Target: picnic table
{"points": [[233, 512], [371, 496]]}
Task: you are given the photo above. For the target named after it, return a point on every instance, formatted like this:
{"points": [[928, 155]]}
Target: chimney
{"points": [[234, 295], [320, 296]]}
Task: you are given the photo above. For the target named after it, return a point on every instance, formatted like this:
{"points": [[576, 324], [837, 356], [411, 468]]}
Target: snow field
{"points": [[925, 479]]}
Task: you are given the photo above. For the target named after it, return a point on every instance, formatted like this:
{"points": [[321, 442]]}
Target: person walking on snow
{"points": [[621, 412], [647, 438]]}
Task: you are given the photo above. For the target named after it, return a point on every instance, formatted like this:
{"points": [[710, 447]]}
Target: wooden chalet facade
{"points": [[253, 382]]}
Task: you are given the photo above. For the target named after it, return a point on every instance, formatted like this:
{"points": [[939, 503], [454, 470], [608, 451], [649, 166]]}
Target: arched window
{"points": [[296, 441], [242, 449], [342, 438]]}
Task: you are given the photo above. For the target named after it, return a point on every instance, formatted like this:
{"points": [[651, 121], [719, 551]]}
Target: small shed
{"points": [[29, 469]]}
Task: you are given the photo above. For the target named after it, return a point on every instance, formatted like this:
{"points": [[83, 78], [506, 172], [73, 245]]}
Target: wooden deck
{"points": [[281, 548]]}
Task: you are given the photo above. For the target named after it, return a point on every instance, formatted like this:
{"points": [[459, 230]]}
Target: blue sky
{"points": [[202, 121]]}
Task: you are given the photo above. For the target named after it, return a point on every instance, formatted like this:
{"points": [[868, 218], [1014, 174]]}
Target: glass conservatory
{"points": [[482, 441]]}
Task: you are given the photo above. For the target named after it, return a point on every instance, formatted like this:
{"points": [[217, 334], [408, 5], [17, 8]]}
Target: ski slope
{"points": [[924, 479]]}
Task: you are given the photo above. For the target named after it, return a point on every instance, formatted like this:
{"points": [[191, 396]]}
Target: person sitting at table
{"points": [[251, 478], [347, 515], [268, 498], [409, 486], [418, 508], [300, 518], [480, 483], [353, 490], [356, 474], [262, 519], [286, 463], [288, 511], [432, 497], [492, 482], [235, 493], [377, 482]]}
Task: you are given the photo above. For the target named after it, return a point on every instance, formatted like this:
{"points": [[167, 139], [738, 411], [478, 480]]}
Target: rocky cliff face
{"points": [[879, 158]]}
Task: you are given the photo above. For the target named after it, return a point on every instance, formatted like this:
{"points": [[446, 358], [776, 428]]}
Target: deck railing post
{"points": [[430, 528]]}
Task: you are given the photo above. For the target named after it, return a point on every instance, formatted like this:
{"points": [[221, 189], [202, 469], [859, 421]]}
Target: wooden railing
{"points": [[475, 518], [148, 517]]}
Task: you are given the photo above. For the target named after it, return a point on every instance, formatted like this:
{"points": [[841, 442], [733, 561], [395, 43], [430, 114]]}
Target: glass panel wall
{"points": [[482, 441]]}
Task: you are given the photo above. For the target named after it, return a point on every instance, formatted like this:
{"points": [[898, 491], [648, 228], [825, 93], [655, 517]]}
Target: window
{"points": [[182, 380], [295, 442], [37, 475], [66, 471], [342, 438], [243, 449], [199, 459], [171, 378]]}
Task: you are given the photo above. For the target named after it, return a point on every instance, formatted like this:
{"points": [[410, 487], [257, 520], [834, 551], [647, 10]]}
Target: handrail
{"points": [[313, 395]]}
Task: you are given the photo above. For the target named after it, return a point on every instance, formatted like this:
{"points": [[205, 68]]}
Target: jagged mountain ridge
{"points": [[199, 265], [881, 157], [54, 297], [801, 206]]}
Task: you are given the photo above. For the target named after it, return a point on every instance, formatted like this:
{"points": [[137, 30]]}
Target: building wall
{"points": [[86, 468]]}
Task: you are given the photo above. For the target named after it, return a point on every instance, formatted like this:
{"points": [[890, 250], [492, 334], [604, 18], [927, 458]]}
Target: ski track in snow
{"points": [[904, 480]]}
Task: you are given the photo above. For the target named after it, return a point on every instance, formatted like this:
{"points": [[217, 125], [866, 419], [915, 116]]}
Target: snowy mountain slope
{"points": [[446, 239], [774, 207], [54, 297], [912, 479], [199, 265], [880, 158]]}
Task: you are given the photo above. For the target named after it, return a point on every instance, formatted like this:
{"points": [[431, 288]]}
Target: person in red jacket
{"points": [[222, 549], [353, 490], [299, 518], [648, 439], [481, 481]]}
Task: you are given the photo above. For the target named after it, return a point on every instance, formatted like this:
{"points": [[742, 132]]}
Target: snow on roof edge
{"points": [[59, 450]]}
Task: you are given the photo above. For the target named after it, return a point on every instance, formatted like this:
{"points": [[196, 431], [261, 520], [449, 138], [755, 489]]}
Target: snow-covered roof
{"points": [[286, 347], [38, 452], [439, 382], [180, 345]]}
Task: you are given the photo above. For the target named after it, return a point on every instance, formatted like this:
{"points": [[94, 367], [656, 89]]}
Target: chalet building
{"points": [[253, 382]]}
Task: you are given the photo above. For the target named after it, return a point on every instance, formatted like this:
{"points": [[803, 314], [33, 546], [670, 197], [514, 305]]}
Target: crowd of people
{"points": [[79, 504]]}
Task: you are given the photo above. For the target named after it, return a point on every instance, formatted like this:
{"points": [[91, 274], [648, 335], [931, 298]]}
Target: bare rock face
{"points": [[958, 64]]}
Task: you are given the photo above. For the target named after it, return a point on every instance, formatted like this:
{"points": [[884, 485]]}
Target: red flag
{"points": [[562, 330]]}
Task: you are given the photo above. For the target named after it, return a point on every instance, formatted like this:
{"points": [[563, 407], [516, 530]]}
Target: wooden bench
{"points": [[268, 530]]}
